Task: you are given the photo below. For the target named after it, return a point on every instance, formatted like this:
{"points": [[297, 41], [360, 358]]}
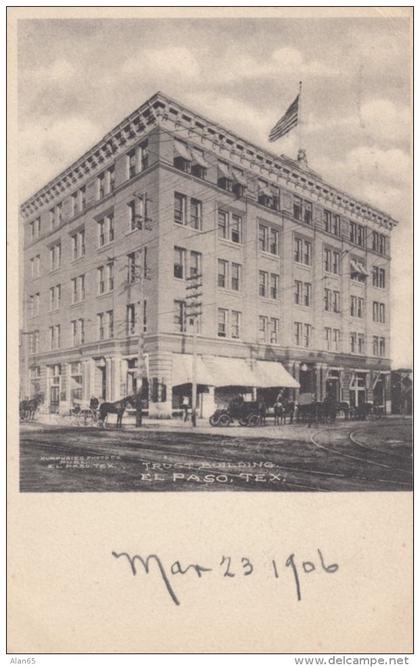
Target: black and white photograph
{"points": [[210, 330], [215, 257]]}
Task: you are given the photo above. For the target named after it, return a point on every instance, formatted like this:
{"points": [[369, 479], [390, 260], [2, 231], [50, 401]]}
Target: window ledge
{"points": [[102, 248]]}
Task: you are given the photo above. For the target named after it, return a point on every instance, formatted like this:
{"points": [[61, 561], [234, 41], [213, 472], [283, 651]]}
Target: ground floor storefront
{"points": [[168, 376]]}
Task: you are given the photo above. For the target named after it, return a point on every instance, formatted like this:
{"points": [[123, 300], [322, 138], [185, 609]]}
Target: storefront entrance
{"points": [[358, 390]]}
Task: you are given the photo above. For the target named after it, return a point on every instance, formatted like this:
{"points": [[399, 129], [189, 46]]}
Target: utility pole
{"points": [[140, 274], [193, 312]]}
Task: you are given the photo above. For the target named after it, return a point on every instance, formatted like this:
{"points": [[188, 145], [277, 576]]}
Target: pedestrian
{"points": [[185, 407]]}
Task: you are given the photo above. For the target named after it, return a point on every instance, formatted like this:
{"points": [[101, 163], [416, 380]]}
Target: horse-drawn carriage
{"points": [[247, 413]]}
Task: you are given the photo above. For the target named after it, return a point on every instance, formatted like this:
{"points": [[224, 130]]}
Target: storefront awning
{"points": [[182, 370], [228, 372], [182, 151], [274, 374], [231, 372]]}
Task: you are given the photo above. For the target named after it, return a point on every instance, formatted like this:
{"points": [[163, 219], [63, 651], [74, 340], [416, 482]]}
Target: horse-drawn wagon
{"points": [[247, 413]]}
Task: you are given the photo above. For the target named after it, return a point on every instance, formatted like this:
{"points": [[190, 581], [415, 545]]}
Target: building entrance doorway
{"points": [[358, 390], [54, 398]]}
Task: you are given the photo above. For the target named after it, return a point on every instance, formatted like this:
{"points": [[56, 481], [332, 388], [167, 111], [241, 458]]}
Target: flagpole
{"points": [[300, 117]]}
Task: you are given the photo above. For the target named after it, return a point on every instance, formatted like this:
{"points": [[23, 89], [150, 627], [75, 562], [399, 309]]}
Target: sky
{"points": [[77, 78]]}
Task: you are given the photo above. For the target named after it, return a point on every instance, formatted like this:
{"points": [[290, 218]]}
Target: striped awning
{"points": [[224, 170]]}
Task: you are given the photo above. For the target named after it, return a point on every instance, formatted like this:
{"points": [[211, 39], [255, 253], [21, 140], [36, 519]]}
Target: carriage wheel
{"points": [[214, 421], [253, 420], [243, 421], [224, 420]]}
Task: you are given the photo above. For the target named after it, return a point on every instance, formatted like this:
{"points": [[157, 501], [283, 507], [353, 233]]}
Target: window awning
{"points": [[363, 271], [239, 178], [198, 159], [224, 170], [182, 370], [264, 190], [354, 267], [274, 374], [182, 151]]}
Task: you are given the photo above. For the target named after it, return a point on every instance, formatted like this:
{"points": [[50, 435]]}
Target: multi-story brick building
{"points": [[295, 272]]}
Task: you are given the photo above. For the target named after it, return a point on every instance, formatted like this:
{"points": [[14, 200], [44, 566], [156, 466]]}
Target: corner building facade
{"points": [[294, 272]]}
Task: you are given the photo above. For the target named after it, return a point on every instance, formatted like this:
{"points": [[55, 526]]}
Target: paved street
{"points": [[348, 456]]}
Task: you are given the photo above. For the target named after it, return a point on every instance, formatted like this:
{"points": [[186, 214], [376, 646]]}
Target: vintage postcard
{"points": [[210, 276]]}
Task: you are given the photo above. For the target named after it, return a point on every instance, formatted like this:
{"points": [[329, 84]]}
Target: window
{"points": [[105, 323], [268, 195], [332, 300], [35, 229], [199, 165], [131, 319], [274, 286], [179, 262], [223, 224], [332, 339], [379, 243], [235, 321], [195, 263], [353, 342], [263, 238], [357, 306], [132, 163], [357, 343], [34, 266], [236, 277], [196, 214], [357, 234], [274, 330], [134, 266], [82, 198], [55, 297], [331, 222], [381, 347], [378, 277], [222, 269], [143, 155], [378, 312], [133, 223], [34, 342], [182, 156], [229, 226], [101, 185], [78, 331], [307, 212], [224, 176], [235, 228], [303, 293], [303, 251], [302, 334], [105, 278], [55, 256], [180, 209], [78, 244], [55, 337], [263, 283], [360, 344], [297, 208], [78, 289], [358, 270], [222, 316], [331, 261], [262, 329], [179, 316], [106, 230]]}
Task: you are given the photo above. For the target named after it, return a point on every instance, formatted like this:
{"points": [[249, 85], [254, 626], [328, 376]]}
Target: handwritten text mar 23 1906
{"points": [[228, 567]]}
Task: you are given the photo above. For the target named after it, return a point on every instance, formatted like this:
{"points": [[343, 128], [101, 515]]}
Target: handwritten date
{"points": [[242, 567]]}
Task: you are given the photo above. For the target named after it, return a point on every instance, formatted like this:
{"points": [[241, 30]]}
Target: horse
{"points": [[117, 407], [28, 408]]}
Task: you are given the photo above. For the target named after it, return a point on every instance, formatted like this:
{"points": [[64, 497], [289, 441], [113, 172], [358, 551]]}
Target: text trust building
{"points": [[294, 274]]}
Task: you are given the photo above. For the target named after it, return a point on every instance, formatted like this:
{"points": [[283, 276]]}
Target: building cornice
{"points": [[171, 115]]}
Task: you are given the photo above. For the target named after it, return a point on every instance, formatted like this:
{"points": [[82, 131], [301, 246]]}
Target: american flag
{"points": [[286, 122]]}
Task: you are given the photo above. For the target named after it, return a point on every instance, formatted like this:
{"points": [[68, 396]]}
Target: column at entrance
{"points": [[160, 385], [115, 379]]}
